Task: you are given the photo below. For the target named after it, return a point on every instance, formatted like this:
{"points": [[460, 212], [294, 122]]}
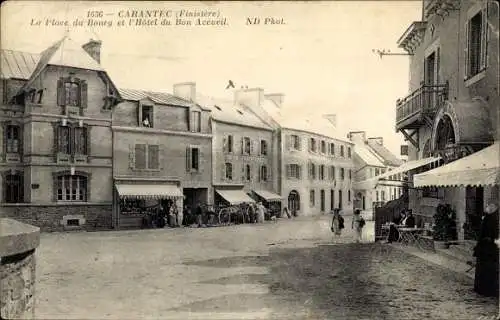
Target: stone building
{"points": [[162, 150], [56, 160], [452, 107], [243, 153], [371, 161], [314, 163]]}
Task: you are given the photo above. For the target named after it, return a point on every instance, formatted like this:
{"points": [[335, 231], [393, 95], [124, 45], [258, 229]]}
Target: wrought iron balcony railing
{"points": [[423, 101]]}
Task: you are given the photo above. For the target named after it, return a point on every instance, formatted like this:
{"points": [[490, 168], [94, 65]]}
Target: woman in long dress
{"points": [[356, 224], [336, 223]]}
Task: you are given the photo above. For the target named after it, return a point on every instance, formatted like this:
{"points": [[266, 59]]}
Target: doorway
{"points": [[474, 202], [293, 202]]}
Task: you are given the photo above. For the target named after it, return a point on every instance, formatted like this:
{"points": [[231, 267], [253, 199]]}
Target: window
{"points": [[349, 155], [147, 156], [13, 136], [248, 172], [342, 173], [332, 199], [376, 196], [228, 171], [147, 116], [476, 44], [321, 172], [64, 140], [350, 174], [382, 195], [13, 188], [341, 151], [80, 140], [349, 195], [196, 118], [331, 173], [312, 145], [294, 171], [193, 159], [323, 147], [312, 171], [295, 142], [35, 96], [228, 144], [71, 92], [263, 147], [246, 145], [263, 173], [332, 149], [311, 198], [71, 188], [377, 172]]}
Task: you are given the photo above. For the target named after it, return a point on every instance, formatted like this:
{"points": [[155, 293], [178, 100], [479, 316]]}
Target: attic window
{"points": [[217, 107], [239, 111]]}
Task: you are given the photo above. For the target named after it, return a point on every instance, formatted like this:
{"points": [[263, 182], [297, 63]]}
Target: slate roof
{"points": [[225, 110], [17, 64], [156, 97], [388, 156], [367, 156]]}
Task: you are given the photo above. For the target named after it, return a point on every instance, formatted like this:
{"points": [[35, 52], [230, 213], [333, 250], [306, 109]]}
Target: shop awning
{"points": [[235, 197], [267, 195], [385, 179], [478, 169], [149, 191]]}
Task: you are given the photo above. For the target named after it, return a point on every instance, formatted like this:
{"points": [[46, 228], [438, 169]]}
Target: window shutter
{"points": [[140, 156], [252, 146], [484, 37], [300, 143], [153, 155], [223, 174], [131, 156], [83, 93], [225, 145], [242, 145], [188, 159], [200, 160], [242, 172], [287, 169], [466, 55], [269, 173], [288, 142], [61, 94]]}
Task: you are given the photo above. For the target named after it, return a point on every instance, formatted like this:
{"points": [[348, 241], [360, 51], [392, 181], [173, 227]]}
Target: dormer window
{"points": [[146, 116], [72, 92]]}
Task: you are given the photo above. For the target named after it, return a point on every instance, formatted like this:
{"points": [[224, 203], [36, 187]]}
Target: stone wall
{"points": [[49, 217], [18, 242]]}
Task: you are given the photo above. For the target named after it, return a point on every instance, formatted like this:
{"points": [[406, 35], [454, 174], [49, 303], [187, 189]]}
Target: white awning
{"points": [[267, 195], [235, 197], [478, 169], [384, 179], [148, 191]]}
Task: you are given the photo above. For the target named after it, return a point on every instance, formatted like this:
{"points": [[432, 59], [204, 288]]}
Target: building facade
{"points": [[56, 160], [452, 108], [162, 143], [314, 164]]}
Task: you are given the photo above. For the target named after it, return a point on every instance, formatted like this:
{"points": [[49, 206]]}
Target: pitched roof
{"points": [[156, 97], [383, 152], [225, 110], [17, 64], [367, 156]]}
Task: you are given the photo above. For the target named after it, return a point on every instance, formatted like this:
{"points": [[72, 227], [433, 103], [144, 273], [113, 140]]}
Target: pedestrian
{"points": [[252, 217], [287, 212], [486, 253], [357, 224], [199, 216], [260, 213], [337, 222]]}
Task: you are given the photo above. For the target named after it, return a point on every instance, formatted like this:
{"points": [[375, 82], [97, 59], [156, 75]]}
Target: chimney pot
{"points": [[332, 118], [185, 90], [277, 98]]}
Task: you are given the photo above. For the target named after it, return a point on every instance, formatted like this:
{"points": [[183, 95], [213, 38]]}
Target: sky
{"points": [[321, 58]]}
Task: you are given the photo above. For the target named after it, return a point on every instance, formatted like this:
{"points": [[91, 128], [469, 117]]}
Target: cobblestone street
{"points": [[291, 269]]}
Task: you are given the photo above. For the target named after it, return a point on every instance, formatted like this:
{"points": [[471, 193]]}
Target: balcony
{"points": [[418, 107], [440, 7]]}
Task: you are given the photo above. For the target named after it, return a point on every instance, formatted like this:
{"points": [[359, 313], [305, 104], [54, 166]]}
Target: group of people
{"points": [[404, 219], [338, 223]]}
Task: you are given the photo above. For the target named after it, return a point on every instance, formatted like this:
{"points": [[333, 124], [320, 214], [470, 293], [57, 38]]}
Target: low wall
{"points": [[18, 242], [51, 217]]}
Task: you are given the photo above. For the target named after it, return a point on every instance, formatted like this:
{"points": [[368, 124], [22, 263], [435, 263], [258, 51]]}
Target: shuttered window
{"points": [[193, 156], [72, 92], [153, 157], [140, 156], [476, 43]]}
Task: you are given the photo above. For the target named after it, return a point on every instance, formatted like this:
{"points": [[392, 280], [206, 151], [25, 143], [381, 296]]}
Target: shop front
{"points": [[270, 200], [143, 203]]}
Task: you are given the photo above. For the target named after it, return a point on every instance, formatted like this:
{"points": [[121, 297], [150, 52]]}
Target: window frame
{"points": [[147, 160], [312, 198], [195, 121], [228, 171], [59, 192], [263, 147], [263, 173], [10, 128], [472, 76], [9, 185]]}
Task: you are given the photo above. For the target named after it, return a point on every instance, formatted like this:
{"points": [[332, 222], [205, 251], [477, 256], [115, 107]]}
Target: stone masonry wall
{"points": [[48, 218], [17, 285]]}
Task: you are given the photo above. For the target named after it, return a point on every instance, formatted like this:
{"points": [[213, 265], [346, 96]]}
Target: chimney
{"points": [[93, 48], [378, 140], [357, 136], [277, 98], [250, 97], [332, 118], [185, 90]]}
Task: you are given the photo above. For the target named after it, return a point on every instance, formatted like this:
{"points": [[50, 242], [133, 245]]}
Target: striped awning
{"points": [[268, 195], [478, 169], [149, 191], [235, 197]]}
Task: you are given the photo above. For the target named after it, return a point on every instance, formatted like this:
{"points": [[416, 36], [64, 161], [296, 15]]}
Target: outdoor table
{"points": [[409, 235]]}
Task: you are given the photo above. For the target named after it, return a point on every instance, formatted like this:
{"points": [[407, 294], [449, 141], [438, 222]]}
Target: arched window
{"points": [[445, 135], [229, 171], [71, 188]]}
